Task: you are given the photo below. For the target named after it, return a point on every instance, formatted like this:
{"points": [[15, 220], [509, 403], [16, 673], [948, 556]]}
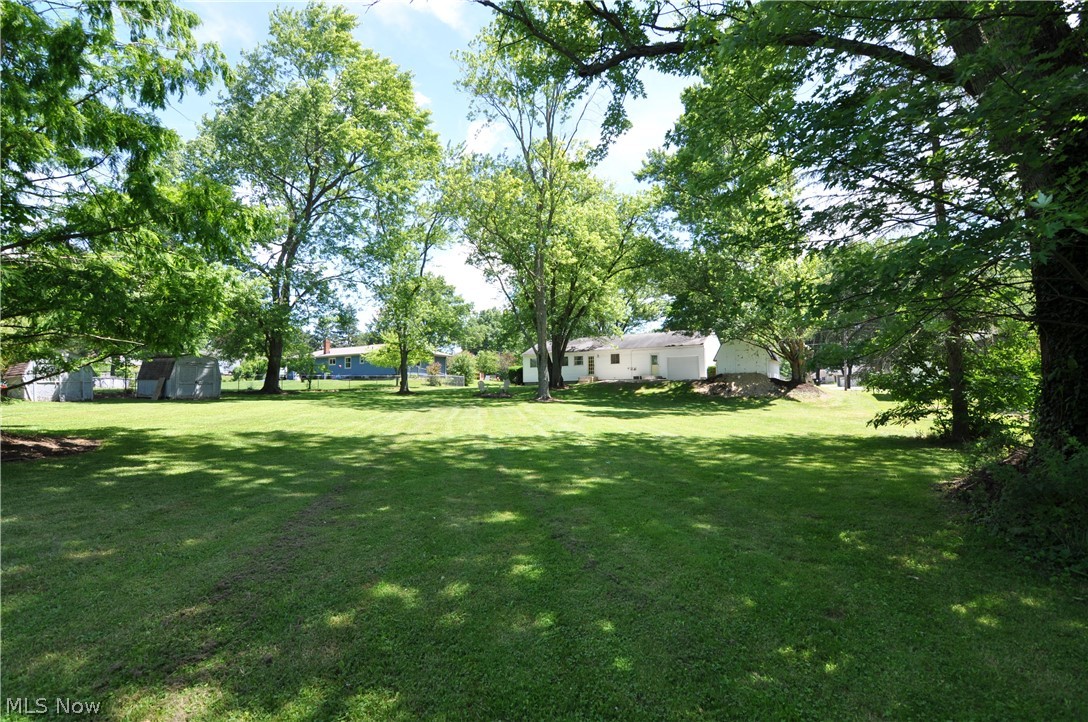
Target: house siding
{"points": [[632, 362], [360, 367]]}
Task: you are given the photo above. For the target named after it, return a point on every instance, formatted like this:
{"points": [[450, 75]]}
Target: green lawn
{"points": [[625, 554]]}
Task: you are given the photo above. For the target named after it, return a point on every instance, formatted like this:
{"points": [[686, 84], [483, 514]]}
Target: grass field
{"points": [[623, 554]]}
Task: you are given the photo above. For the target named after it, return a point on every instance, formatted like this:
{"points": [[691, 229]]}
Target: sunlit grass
{"points": [[625, 553]]}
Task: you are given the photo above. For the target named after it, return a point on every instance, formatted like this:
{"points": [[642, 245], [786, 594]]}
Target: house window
{"points": [[347, 362], [566, 361], [332, 362], [578, 360], [532, 362], [653, 359], [615, 358]]}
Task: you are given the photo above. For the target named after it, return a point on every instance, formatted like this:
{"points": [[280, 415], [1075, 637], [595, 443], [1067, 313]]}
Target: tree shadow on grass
{"points": [[616, 400], [621, 576]]}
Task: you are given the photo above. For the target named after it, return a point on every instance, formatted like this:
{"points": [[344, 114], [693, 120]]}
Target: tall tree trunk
{"points": [[1048, 158], [275, 362], [960, 429], [404, 371], [540, 316], [559, 350], [1061, 307]]}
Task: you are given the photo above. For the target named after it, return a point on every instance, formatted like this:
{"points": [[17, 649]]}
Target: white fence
{"points": [[114, 382]]}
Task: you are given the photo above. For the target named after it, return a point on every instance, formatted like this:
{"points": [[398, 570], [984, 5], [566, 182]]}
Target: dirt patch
{"points": [[752, 386], [28, 447], [804, 392], [742, 386]]}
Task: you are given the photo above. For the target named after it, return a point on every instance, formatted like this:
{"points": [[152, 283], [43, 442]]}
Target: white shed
{"points": [[741, 357], [184, 377], [75, 385], [675, 355]]}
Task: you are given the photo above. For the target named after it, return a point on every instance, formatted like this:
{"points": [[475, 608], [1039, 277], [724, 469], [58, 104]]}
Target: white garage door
{"points": [[683, 367]]}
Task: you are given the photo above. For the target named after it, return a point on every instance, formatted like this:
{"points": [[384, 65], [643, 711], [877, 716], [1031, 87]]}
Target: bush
{"points": [[514, 373], [434, 370], [1041, 506], [463, 364], [711, 371], [487, 362]]}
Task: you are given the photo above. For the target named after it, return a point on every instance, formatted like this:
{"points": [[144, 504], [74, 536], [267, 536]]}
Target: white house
{"points": [[671, 355], [741, 357]]}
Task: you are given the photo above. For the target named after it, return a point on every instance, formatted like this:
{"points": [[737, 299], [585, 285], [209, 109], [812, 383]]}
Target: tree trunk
{"points": [[1061, 307], [960, 429], [559, 349], [275, 362], [1049, 158], [540, 316], [848, 374], [404, 371]]}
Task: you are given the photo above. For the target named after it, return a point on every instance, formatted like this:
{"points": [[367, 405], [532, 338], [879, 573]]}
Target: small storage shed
{"points": [[183, 377], [741, 357], [75, 385]]}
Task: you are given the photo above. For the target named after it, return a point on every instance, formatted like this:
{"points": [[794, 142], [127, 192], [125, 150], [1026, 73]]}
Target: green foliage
{"points": [[388, 354], [321, 133], [1001, 377], [1042, 507], [107, 246], [960, 131], [249, 369], [492, 329], [487, 362], [462, 364]]}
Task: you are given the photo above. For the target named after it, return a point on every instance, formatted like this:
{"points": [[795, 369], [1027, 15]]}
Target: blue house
{"points": [[349, 362]]}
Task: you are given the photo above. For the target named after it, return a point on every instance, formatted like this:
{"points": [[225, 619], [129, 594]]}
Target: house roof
{"points": [[663, 339], [358, 350]]}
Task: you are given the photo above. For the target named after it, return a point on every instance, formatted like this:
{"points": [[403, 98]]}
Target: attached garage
{"points": [[682, 368]]}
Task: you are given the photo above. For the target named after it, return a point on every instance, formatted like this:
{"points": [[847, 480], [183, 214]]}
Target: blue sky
{"points": [[419, 36]]}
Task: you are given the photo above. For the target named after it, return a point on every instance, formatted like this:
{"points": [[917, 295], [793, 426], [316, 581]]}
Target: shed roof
{"points": [[156, 368], [662, 339], [16, 370]]}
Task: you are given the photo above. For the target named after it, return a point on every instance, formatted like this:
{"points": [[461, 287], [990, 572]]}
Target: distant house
{"points": [[670, 355], [350, 362], [23, 383], [183, 377], [741, 357]]}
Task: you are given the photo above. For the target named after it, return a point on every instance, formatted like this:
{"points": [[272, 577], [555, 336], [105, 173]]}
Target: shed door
{"points": [[186, 380], [682, 367]]}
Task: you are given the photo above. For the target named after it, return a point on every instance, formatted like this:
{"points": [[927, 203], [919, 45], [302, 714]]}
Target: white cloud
{"points": [[481, 137], [228, 24], [452, 264], [421, 99], [403, 13], [651, 118]]}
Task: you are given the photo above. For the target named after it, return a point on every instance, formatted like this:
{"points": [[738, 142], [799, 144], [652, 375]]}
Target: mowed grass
{"points": [[628, 553]]}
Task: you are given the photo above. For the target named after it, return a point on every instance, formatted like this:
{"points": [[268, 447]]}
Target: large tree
{"points": [[108, 247], [1009, 75], [317, 130], [419, 311], [557, 239]]}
